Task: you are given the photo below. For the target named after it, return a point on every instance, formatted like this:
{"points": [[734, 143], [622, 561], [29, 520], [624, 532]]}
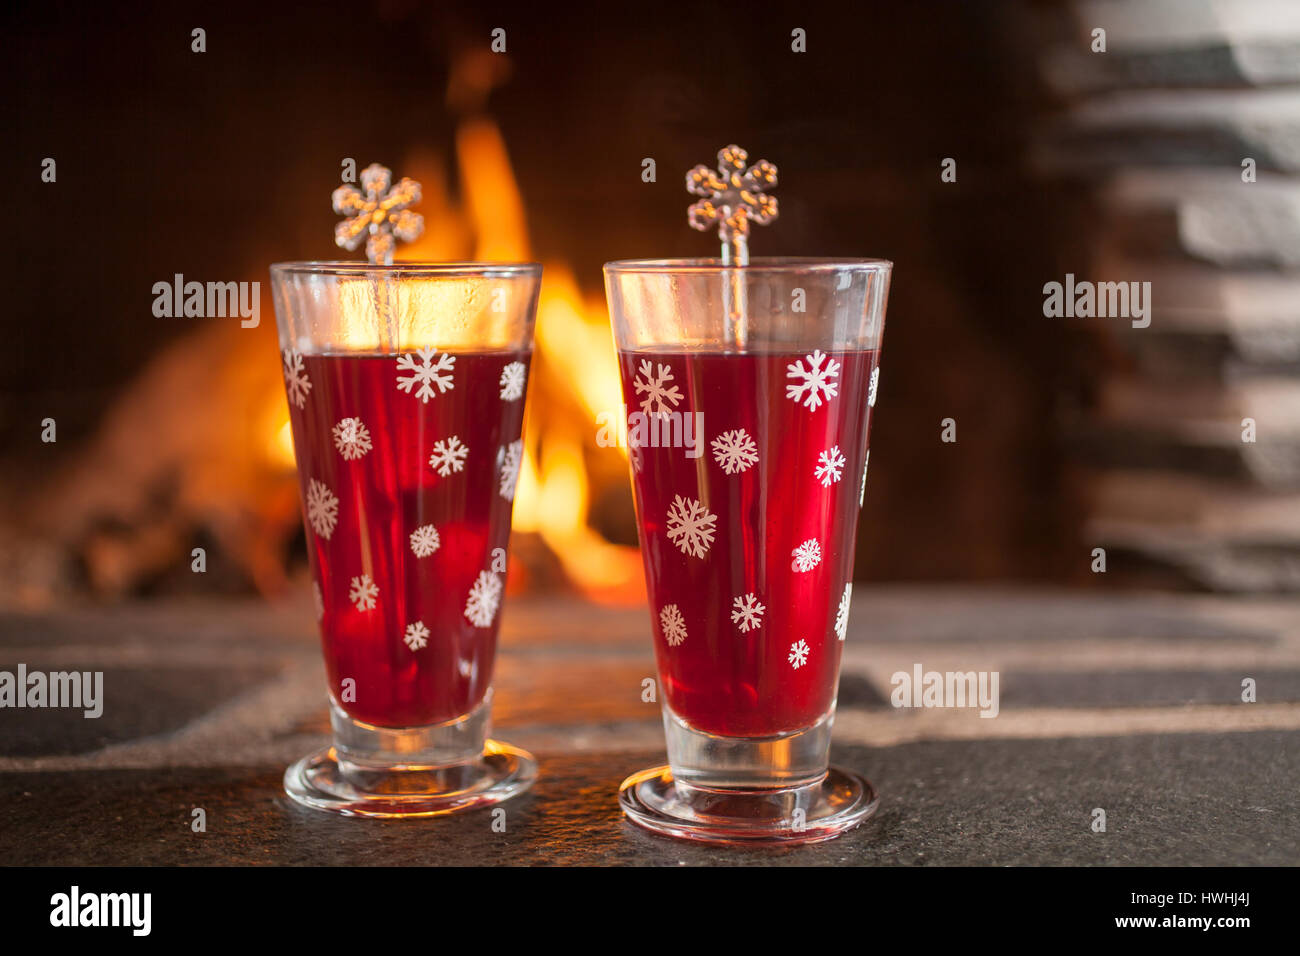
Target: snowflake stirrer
{"points": [[732, 197], [379, 211]]}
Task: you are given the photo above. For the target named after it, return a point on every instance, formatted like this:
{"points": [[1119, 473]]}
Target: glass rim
{"points": [[344, 267], [774, 264]]}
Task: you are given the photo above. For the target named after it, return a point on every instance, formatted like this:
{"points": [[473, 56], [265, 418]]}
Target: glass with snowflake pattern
{"points": [[750, 392], [406, 388]]}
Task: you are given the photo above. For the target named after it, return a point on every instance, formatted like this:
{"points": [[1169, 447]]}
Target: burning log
{"points": [[193, 454]]}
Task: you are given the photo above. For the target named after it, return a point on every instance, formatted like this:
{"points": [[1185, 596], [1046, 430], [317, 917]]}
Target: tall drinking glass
{"points": [[750, 391], [406, 394]]}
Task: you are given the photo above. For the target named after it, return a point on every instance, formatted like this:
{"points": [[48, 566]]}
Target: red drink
{"points": [[408, 466], [749, 547]]}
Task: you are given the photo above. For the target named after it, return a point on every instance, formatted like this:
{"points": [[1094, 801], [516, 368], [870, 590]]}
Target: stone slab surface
{"points": [[1126, 702]]}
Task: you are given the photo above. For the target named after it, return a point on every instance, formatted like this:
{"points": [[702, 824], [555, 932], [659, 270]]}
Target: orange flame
{"points": [[574, 346]]}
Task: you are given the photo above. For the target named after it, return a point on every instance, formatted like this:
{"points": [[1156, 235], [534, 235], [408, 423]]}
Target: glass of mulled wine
{"points": [[748, 548], [406, 392]]}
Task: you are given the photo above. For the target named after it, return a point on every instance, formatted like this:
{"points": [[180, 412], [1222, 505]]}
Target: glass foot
{"points": [[322, 782], [810, 813]]}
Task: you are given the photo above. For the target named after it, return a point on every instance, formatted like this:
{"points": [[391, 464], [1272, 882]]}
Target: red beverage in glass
{"points": [[749, 547], [408, 465]]}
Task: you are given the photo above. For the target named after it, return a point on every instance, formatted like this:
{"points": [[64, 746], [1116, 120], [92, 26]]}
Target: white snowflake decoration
{"points": [[691, 526], [511, 456], [735, 451], [426, 373], [512, 381], [842, 615], [747, 614], [862, 492], [322, 508], [484, 599], [351, 438], [363, 593], [830, 466], [798, 654], [816, 380], [448, 455], [807, 556], [417, 636], [296, 382], [871, 389], [425, 540], [658, 393], [673, 624]]}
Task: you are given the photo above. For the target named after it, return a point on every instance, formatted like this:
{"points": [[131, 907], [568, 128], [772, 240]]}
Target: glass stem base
{"points": [[737, 790], [411, 771]]}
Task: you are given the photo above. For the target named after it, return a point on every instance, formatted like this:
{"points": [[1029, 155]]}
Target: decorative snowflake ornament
{"points": [[735, 451], [351, 438], [426, 373], [322, 508], [732, 198], [842, 615], [672, 624], [512, 381], [691, 526], [425, 540], [807, 556], [798, 656], [296, 382], [379, 211], [815, 385], [417, 636], [484, 599], [363, 593], [830, 466], [448, 455], [660, 397], [747, 613]]}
